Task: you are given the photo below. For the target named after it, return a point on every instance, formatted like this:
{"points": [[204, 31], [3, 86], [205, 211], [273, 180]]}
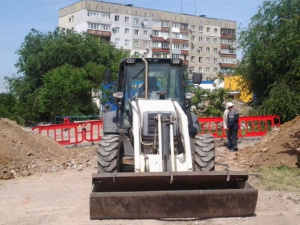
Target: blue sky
{"points": [[18, 17]]}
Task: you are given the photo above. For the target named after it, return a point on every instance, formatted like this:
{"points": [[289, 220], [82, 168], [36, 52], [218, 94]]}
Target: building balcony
{"points": [[227, 65], [180, 41], [185, 31], [184, 52], [228, 36], [99, 33], [164, 50], [159, 39], [166, 29], [228, 55]]}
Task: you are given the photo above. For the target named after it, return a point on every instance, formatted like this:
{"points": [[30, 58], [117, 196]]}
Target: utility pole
{"points": [[181, 6]]}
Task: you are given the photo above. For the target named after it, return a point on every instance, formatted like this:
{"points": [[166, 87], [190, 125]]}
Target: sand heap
{"points": [[23, 152], [274, 149]]}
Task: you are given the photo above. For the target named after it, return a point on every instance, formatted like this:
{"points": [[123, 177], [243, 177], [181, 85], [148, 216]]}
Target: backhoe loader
{"points": [[152, 163]]}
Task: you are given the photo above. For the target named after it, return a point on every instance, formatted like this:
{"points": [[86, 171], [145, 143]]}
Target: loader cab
{"points": [[165, 81]]}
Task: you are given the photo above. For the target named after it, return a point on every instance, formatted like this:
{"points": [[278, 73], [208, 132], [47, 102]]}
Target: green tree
{"points": [[208, 103], [42, 55], [66, 91], [271, 59]]}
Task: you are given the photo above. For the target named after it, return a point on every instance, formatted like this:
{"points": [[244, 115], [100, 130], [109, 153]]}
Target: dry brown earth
{"points": [[57, 190]]}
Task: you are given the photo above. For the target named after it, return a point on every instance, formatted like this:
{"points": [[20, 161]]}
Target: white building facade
{"points": [[206, 45]]}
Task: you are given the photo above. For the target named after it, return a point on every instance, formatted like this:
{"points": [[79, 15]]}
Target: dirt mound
{"points": [[24, 153], [275, 149]]}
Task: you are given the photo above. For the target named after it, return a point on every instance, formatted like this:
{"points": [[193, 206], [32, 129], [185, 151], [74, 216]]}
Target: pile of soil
{"points": [[277, 148], [23, 153]]}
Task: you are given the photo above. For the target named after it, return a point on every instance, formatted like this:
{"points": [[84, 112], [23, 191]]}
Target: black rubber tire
{"points": [[204, 154], [108, 154]]}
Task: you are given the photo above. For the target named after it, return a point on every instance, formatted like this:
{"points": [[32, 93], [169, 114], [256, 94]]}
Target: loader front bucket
{"points": [[172, 195]]}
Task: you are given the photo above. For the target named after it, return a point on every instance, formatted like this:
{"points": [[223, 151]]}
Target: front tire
{"points": [[108, 154], [204, 155]]}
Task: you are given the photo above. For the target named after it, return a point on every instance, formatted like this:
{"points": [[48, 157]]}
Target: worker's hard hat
{"points": [[229, 104]]}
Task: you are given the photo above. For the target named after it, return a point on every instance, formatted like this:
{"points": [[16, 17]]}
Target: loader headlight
{"points": [[130, 60], [176, 61], [189, 95]]}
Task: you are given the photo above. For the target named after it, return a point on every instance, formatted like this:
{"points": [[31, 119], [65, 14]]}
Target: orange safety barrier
{"points": [[72, 133], [250, 126]]}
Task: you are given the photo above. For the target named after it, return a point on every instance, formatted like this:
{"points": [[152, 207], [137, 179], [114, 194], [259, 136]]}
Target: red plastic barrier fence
{"points": [[72, 133], [250, 126], [91, 131]]}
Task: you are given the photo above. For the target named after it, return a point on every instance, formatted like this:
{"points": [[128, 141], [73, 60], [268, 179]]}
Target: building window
{"points": [[165, 24], [200, 29], [146, 44], [193, 38], [117, 41], [207, 69], [175, 46], [126, 30], [156, 44], [116, 30], [215, 40], [145, 33], [215, 50], [165, 55], [136, 20], [215, 60], [200, 49], [156, 23], [126, 19], [136, 43], [215, 70], [127, 42], [193, 27], [228, 60], [184, 36], [185, 47], [175, 35], [71, 19], [207, 60], [165, 35], [117, 18], [208, 50], [192, 58], [200, 39], [165, 45], [136, 32], [200, 60], [99, 15], [176, 56], [98, 26], [184, 26], [207, 29], [215, 30], [208, 40], [176, 25], [200, 69]]}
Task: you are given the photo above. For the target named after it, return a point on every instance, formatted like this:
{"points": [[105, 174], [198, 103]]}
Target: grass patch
{"points": [[280, 178]]}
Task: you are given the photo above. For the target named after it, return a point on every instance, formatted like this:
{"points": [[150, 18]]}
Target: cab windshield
{"points": [[162, 77]]}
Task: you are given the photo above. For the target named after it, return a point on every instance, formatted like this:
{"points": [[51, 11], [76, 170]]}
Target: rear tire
{"points": [[108, 154], [204, 155]]}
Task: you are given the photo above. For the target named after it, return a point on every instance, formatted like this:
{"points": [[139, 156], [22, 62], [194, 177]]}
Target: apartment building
{"points": [[206, 45]]}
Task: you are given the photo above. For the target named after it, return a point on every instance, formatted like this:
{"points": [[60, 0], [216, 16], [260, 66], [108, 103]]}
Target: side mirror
{"points": [[197, 78], [107, 76], [118, 95], [189, 95]]}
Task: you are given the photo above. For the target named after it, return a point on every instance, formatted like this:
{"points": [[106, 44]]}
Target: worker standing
{"points": [[231, 125]]}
